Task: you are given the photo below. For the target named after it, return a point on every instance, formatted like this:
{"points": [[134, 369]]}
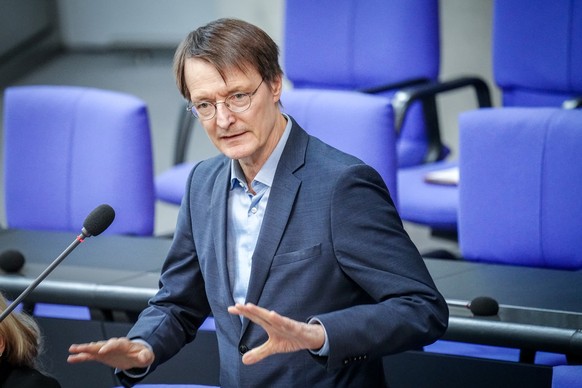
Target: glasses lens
{"points": [[239, 102], [203, 109]]}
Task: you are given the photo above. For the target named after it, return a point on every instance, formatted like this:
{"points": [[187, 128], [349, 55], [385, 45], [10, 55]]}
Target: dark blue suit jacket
{"points": [[331, 245]]}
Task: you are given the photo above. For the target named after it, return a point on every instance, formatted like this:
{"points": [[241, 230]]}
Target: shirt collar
{"points": [[266, 174]]}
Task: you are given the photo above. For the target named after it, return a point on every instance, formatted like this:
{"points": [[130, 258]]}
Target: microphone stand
{"points": [[80, 238]]}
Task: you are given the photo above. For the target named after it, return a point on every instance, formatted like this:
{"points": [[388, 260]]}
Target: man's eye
{"points": [[238, 96], [202, 105]]}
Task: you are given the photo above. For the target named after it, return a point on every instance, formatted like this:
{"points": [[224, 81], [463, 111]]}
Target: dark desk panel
{"points": [[537, 288], [540, 308], [99, 273], [104, 251]]}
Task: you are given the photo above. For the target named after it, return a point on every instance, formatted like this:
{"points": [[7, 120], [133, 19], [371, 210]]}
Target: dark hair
{"points": [[229, 44]]}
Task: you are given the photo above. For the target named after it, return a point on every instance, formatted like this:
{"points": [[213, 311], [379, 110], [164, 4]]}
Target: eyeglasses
{"points": [[237, 103]]}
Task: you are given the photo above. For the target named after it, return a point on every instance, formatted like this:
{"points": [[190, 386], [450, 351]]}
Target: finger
{"points": [[113, 344], [88, 347], [80, 357], [258, 315], [257, 354]]}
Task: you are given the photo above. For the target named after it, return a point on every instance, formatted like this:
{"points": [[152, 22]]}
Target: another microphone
{"points": [[95, 223], [480, 306], [11, 261]]}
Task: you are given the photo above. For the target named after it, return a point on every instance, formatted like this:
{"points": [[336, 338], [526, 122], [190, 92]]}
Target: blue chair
{"points": [[537, 61], [521, 182], [69, 149], [376, 47]]}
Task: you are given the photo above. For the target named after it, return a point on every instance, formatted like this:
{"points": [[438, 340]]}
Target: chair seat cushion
{"points": [[430, 204], [171, 184]]}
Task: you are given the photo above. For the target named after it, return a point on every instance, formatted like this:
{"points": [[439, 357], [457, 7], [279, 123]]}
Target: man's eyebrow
{"points": [[230, 90]]}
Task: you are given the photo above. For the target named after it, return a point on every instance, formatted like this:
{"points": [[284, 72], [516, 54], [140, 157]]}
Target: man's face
{"points": [[248, 136]]}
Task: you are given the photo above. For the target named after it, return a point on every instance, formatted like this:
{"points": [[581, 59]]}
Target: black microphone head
{"points": [[11, 261], [484, 306], [98, 220]]}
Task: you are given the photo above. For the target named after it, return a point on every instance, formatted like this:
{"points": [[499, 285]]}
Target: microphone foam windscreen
{"points": [[11, 261], [99, 219], [484, 306]]}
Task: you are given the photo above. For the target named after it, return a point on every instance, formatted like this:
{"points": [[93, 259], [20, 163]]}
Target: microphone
{"points": [[95, 223], [11, 261], [480, 306]]}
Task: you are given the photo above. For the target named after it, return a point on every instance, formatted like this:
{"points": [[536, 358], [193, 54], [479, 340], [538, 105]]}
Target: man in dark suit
{"points": [[295, 247]]}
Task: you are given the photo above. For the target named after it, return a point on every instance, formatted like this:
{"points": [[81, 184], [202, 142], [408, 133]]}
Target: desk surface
{"points": [[121, 273], [104, 271]]}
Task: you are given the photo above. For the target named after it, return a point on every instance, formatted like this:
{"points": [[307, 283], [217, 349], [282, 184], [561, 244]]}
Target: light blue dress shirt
{"points": [[245, 217]]}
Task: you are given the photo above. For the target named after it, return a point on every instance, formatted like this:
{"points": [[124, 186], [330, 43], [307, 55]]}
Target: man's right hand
{"points": [[120, 353]]}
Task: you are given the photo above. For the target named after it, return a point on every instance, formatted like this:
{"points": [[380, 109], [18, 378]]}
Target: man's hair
{"points": [[229, 44]]}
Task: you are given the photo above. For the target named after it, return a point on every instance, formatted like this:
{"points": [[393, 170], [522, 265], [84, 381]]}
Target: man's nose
{"points": [[224, 117]]}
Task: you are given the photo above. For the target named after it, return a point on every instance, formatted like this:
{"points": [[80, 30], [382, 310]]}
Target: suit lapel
{"points": [[281, 199]]}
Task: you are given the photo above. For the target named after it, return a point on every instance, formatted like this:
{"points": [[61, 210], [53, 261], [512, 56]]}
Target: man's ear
{"points": [[277, 88]]}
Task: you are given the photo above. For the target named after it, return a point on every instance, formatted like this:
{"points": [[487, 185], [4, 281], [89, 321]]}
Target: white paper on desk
{"points": [[447, 176]]}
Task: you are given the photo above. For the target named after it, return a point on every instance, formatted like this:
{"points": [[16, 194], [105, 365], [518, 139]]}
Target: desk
{"points": [[541, 309], [104, 272]]}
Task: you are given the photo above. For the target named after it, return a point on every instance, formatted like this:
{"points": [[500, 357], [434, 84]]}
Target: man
{"points": [[284, 222]]}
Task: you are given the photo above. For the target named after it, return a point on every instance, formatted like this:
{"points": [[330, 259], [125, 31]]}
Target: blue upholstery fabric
{"points": [[427, 203], [520, 188], [492, 352], [61, 311], [360, 43], [566, 376], [353, 44], [537, 51], [350, 121], [70, 149], [171, 184]]}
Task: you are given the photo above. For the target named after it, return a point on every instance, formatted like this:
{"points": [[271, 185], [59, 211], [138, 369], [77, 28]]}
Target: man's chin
{"points": [[236, 152]]}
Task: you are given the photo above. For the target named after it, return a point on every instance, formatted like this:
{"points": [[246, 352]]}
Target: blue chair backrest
{"points": [[354, 45], [350, 121], [521, 184], [69, 149], [537, 51]]}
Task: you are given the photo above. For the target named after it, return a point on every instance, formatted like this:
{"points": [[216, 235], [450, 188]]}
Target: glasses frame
{"points": [[192, 109]]}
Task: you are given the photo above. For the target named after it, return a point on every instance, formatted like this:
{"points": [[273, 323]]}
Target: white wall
{"points": [[147, 23]]}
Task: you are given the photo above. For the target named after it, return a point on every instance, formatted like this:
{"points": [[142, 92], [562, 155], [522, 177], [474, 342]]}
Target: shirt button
{"points": [[243, 349], [253, 210]]}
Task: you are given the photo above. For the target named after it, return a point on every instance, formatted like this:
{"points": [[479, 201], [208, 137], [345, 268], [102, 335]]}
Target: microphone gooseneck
{"points": [[11, 261], [95, 223]]}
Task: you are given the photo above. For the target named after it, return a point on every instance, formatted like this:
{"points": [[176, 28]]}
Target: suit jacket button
{"points": [[243, 349]]}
